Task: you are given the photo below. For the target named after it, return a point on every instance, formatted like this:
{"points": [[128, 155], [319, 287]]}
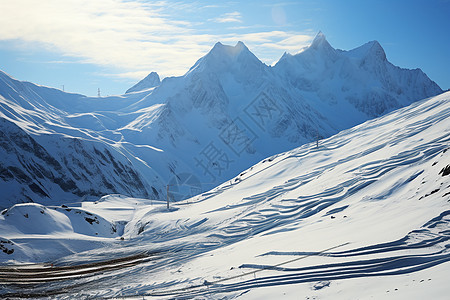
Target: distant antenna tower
{"points": [[98, 92]]}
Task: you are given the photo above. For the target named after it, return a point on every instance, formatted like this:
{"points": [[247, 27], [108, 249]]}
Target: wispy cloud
{"points": [[233, 17], [134, 36]]}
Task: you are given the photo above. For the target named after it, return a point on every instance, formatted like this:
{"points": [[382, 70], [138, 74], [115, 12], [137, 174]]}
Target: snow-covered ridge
{"points": [[226, 113]]}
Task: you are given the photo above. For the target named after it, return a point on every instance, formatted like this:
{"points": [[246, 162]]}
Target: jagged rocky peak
{"points": [[376, 50], [320, 43], [319, 40], [222, 58], [148, 82], [371, 50], [318, 53], [227, 50]]}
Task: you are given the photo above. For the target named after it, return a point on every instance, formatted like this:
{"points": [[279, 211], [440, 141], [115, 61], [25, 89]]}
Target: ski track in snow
{"points": [[432, 238], [420, 249]]}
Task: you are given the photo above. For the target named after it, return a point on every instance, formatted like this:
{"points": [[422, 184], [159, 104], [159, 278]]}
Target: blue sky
{"points": [[111, 44]]}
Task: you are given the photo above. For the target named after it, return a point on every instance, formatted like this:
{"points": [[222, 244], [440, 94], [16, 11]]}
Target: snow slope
{"points": [[52, 152], [366, 214], [228, 112]]}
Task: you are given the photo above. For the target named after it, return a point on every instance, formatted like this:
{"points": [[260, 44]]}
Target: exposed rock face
{"points": [[62, 171]]}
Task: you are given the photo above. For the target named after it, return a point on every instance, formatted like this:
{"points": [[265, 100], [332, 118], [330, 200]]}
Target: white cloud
{"points": [[233, 17], [134, 36]]}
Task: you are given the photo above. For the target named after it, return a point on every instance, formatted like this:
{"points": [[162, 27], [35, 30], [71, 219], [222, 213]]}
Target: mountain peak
{"points": [[321, 47], [230, 51], [371, 51], [148, 82], [217, 45], [319, 38], [224, 57], [241, 45], [320, 41], [376, 50]]}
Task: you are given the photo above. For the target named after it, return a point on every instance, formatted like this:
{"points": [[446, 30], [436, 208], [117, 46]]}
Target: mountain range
{"points": [[184, 135]]}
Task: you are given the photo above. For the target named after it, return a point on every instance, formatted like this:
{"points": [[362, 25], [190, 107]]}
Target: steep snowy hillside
{"points": [[46, 160], [195, 131], [61, 169], [365, 214]]}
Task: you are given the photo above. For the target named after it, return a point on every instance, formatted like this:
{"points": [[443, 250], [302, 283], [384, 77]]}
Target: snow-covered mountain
{"points": [[363, 215], [60, 169], [195, 131], [46, 160], [362, 76], [152, 80]]}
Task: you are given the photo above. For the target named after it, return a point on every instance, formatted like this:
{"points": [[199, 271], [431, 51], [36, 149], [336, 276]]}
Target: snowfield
{"points": [[364, 214]]}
